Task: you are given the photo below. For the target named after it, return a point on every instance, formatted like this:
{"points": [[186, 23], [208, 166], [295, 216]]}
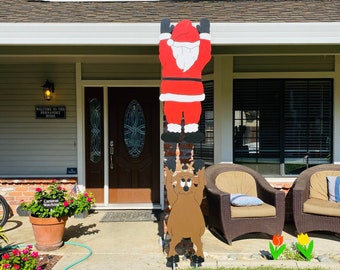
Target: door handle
{"points": [[111, 151]]}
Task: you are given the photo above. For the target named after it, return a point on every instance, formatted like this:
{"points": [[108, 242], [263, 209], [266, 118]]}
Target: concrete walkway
{"points": [[138, 245]]}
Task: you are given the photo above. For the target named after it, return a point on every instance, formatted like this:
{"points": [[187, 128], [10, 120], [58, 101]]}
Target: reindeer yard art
{"points": [[185, 185]]}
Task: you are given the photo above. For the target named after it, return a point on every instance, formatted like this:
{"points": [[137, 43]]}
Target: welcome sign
{"points": [[50, 112]]}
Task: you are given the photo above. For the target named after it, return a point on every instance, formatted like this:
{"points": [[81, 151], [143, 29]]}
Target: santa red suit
{"points": [[183, 52]]}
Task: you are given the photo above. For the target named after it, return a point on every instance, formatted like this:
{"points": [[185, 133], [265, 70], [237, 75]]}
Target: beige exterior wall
{"points": [[30, 146]]}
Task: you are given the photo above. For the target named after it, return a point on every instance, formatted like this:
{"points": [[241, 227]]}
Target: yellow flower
{"points": [[303, 238]]}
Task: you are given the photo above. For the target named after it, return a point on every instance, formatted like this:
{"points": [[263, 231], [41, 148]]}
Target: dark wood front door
{"points": [[133, 144], [134, 153]]}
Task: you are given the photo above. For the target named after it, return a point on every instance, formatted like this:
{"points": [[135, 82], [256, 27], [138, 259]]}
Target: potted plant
{"points": [[15, 258], [49, 211], [20, 259], [83, 204]]}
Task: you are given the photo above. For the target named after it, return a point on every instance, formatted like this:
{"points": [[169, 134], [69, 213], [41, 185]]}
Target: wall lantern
{"points": [[48, 89]]}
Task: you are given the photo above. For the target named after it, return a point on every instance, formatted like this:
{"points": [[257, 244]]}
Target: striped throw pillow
{"points": [[333, 183]]}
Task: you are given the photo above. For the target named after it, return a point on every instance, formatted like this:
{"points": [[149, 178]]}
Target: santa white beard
{"points": [[185, 53]]}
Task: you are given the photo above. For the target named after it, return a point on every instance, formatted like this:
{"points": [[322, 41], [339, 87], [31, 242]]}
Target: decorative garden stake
{"points": [[276, 246], [304, 245]]}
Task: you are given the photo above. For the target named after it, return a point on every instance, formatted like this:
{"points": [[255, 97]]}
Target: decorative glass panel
{"points": [[134, 129], [95, 130]]}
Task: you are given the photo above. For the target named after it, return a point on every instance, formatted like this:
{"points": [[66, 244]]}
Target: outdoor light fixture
{"points": [[48, 89]]}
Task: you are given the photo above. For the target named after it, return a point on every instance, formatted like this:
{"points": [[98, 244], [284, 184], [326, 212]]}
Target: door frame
{"points": [[80, 88]]}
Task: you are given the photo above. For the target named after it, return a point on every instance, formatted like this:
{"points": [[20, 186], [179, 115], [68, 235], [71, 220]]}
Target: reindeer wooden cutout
{"points": [[185, 194]]}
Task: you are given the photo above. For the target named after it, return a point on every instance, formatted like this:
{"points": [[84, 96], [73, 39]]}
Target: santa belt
{"points": [[181, 79]]}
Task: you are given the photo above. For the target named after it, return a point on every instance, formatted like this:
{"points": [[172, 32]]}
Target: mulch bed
{"points": [[47, 261]]}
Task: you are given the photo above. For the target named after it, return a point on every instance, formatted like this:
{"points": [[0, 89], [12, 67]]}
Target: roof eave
{"points": [[148, 33]]}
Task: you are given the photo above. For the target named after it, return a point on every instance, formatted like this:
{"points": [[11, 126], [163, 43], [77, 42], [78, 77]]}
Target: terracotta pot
{"points": [[48, 232]]}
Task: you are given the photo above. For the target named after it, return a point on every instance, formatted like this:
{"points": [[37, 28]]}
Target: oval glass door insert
{"points": [[134, 129]]}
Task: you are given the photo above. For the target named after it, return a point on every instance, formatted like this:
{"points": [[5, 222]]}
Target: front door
{"points": [[133, 159]]}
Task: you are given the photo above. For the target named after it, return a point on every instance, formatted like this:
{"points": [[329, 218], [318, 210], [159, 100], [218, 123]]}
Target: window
{"points": [[282, 126], [205, 149]]}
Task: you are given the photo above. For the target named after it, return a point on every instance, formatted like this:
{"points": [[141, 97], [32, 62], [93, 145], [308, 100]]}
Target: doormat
{"points": [[131, 216]]}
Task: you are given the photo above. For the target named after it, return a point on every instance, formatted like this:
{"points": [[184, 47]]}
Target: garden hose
{"points": [[82, 259], [67, 243]]}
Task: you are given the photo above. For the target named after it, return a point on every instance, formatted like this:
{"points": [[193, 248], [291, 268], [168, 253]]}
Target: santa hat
{"points": [[184, 34]]}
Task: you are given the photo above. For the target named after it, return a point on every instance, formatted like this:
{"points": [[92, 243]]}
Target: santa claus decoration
{"points": [[184, 50]]}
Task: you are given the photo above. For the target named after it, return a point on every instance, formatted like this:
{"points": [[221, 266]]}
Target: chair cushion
{"points": [[263, 210], [235, 182], [321, 207], [333, 188], [244, 200], [318, 184]]}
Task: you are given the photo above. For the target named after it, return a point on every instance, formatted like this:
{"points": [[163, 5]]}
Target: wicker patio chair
{"points": [[231, 221], [312, 209]]}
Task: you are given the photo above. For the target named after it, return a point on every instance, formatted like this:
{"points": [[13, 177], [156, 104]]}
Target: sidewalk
{"points": [[138, 245]]}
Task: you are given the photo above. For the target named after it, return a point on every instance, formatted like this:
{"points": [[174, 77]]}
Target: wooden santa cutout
{"points": [[184, 50]]}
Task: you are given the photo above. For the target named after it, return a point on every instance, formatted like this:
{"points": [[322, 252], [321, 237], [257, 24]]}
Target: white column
{"points": [[223, 109], [336, 111]]}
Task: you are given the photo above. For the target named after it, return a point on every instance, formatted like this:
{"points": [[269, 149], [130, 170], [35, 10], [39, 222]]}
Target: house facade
{"points": [[272, 87]]}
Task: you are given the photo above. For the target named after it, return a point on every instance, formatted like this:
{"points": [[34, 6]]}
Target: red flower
{"points": [[277, 240], [16, 252], [34, 254], [86, 194], [65, 203], [38, 189], [15, 266], [6, 256], [89, 199]]}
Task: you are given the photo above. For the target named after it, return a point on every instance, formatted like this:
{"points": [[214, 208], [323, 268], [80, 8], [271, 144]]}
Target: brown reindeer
{"points": [[185, 194]]}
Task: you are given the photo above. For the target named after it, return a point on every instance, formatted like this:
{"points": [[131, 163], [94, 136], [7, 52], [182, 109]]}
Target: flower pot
{"points": [[82, 214], [48, 232]]}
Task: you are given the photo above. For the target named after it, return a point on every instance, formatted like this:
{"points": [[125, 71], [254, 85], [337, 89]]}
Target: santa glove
{"points": [[166, 27], [204, 26]]}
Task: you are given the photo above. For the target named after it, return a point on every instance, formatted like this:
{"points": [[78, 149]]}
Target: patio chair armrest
{"points": [[218, 201]]}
